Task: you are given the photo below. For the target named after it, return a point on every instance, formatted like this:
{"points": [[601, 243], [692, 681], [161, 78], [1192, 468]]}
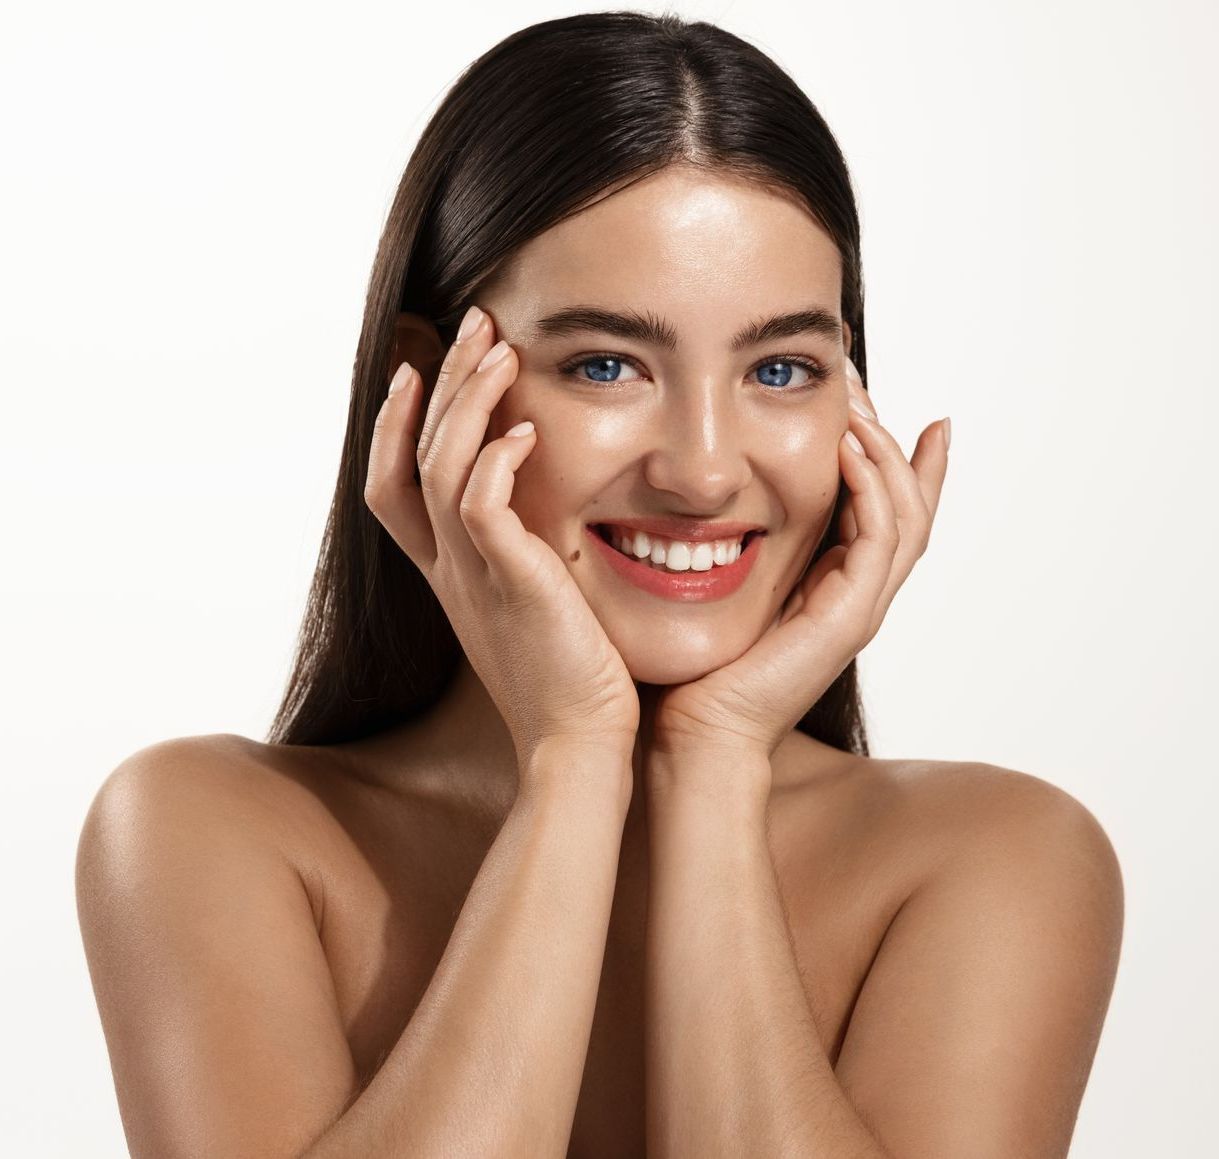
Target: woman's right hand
{"points": [[525, 626]]}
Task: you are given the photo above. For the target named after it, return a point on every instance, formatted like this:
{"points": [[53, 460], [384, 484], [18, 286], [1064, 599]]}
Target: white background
{"points": [[192, 196]]}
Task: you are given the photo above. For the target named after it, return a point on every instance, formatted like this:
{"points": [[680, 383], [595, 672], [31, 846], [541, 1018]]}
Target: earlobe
{"points": [[417, 341]]}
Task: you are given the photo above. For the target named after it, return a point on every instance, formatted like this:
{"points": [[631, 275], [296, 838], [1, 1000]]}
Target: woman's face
{"points": [[694, 427]]}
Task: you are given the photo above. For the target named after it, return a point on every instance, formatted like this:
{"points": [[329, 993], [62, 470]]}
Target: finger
{"points": [[929, 469], [856, 388], [869, 558], [857, 392], [846, 524], [930, 463], [831, 560], [473, 339], [910, 484], [445, 470], [494, 528], [913, 519], [390, 489], [841, 591]]}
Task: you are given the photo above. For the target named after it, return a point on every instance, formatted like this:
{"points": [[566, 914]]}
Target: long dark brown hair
{"points": [[541, 125]]}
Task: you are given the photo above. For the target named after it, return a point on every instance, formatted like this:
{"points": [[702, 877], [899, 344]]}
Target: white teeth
{"points": [[677, 558], [676, 555]]}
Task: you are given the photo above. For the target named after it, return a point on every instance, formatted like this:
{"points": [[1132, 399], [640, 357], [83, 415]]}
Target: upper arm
{"points": [[213, 989], [974, 1033]]}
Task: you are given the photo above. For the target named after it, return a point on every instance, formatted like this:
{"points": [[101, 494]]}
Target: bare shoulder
{"points": [[970, 809], [219, 761], [920, 822], [981, 1013], [218, 781], [932, 816], [203, 943]]}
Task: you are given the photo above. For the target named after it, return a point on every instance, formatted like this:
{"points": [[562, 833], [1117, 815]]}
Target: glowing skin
{"points": [[695, 431], [692, 431]]}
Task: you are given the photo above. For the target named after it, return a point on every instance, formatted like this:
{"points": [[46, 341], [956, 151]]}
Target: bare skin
{"points": [[391, 843], [389, 836]]}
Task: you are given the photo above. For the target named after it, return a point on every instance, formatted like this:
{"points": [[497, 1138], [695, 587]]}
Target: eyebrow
{"points": [[656, 331]]}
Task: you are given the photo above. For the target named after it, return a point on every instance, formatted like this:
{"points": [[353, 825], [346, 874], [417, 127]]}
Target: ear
{"points": [[417, 341], [846, 338]]}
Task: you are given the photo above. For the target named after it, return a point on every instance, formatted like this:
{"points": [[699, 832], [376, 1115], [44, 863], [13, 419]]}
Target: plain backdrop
{"points": [[192, 195]]}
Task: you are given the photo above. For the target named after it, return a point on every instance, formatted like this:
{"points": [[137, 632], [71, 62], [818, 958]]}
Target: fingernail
{"points": [[469, 323], [522, 428], [494, 354], [400, 376], [947, 433], [861, 409], [850, 437]]}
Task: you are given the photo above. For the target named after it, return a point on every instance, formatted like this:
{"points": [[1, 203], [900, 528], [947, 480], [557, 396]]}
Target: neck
{"points": [[465, 735], [465, 729]]}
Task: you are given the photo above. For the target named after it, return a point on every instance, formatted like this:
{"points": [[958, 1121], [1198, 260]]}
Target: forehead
{"points": [[681, 238]]}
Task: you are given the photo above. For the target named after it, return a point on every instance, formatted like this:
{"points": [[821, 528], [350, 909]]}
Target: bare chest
{"points": [[395, 884]]}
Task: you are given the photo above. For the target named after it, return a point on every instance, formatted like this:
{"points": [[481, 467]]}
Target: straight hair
{"points": [[608, 99]]}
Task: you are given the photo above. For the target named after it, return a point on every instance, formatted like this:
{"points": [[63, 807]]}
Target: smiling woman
{"points": [[566, 838]]}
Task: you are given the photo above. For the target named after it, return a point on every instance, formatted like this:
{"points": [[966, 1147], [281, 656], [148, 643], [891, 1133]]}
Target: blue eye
{"points": [[606, 366]]}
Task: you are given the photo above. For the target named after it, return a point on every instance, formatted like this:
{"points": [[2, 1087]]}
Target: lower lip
{"points": [[680, 585]]}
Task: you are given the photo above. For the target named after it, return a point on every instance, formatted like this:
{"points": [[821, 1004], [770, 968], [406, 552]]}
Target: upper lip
{"points": [[689, 530]]}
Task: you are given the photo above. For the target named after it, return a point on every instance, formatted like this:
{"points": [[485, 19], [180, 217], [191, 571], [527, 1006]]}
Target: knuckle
{"points": [[429, 484], [445, 372], [472, 508], [426, 457]]}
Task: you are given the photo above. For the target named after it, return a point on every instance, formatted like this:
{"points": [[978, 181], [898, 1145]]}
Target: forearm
{"points": [[735, 1064], [492, 1059]]}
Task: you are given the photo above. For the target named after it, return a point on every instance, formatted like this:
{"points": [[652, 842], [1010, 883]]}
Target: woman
{"points": [[566, 839]]}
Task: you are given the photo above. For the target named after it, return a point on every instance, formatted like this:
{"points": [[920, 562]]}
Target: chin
{"points": [[669, 649], [654, 670], [651, 661]]}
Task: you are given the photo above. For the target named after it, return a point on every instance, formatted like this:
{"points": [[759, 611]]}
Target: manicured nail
{"points": [[521, 428], [494, 354], [861, 409], [947, 433], [400, 376], [469, 323], [850, 437]]}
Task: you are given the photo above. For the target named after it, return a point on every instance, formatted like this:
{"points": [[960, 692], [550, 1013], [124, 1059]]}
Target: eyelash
{"points": [[817, 373]]}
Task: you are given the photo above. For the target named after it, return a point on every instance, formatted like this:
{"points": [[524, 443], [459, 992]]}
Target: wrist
{"points": [[577, 771], [724, 777]]}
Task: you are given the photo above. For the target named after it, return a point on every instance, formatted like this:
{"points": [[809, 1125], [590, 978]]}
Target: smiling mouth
{"points": [[602, 531]]}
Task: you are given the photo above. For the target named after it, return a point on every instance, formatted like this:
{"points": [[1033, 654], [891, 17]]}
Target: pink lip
{"points": [[688, 586]]}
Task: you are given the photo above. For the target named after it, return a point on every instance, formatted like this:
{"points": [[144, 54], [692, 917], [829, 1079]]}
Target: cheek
{"points": [[810, 478], [574, 457], [553, 485]]}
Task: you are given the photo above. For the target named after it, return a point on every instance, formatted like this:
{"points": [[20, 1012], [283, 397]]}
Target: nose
{"points": [[698, 453]]}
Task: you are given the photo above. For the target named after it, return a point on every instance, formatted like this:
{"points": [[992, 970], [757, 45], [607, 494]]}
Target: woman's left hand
{"points": [[747, 707]]}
